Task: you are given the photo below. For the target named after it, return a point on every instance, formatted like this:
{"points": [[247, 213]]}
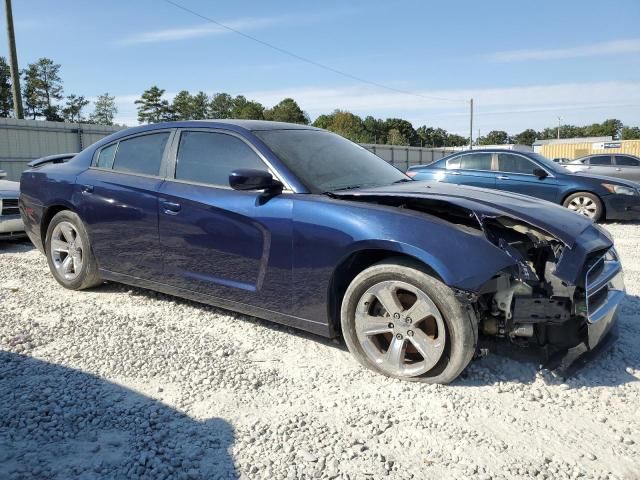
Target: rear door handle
{"points": [[87, 188], [171, 208], [618, 169], [452, 172], [502, 177]]}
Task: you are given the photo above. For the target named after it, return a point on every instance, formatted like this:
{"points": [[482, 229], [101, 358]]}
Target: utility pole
{"points": [[471, 125], [559, 120], [13, 62]]}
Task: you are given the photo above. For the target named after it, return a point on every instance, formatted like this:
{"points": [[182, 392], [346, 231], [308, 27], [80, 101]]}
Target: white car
{"points": [[10, 221]]}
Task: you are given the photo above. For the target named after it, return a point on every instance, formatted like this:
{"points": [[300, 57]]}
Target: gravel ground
{"points": [[126, 383]]}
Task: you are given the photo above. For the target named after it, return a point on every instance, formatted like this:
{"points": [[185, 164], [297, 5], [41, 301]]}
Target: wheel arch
{"points": [[356, 262], [48, 215]]}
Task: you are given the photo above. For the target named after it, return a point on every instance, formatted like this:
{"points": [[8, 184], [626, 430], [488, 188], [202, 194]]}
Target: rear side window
{"points": [[141, 154], [510, 163], [476, 161], [207, 157], [628, 161], [106, 156], [600, 160], [454, 163]]}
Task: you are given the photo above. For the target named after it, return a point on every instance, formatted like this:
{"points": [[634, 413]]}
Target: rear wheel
{"points": [[402, 322], [69, 254], [586, 204]]}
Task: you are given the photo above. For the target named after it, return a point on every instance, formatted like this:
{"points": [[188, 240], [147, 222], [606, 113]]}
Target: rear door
{"points": [[474, 169], [627, 166], [516, 174], [218, 241], [117, 199]]}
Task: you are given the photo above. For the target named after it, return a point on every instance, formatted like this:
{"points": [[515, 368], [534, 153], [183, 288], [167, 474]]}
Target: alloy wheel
{"points": [[584, 206], [66, 250], [400, 329]]}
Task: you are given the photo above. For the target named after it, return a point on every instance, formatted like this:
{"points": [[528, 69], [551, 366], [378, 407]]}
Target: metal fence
{"points": [[404, 157], [23, 140]]}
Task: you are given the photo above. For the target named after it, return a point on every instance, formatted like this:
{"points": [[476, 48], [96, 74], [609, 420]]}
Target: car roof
{"points": [[235, 124]]}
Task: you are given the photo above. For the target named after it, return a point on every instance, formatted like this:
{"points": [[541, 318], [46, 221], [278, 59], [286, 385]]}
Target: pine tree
{"points": [[6, 97], [72, 112], [152, 108], [105, 110]]}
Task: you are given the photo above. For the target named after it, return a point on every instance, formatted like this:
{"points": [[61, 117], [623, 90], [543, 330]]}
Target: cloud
{"points": [[200, 30], [510, 108], [615, 47]]}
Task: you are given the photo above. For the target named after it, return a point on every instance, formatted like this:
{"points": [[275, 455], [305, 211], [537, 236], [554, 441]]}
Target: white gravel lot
{"points": [[125, 383]]}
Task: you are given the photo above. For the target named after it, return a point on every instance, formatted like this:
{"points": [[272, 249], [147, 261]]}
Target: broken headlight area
{"points": [[531, 304]]}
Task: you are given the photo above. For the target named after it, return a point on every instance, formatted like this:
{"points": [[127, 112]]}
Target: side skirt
{"points": [[289, 320]]}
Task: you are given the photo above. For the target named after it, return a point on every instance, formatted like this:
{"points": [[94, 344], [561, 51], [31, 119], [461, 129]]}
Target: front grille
{"points": [[10, 206], [603, 284]]}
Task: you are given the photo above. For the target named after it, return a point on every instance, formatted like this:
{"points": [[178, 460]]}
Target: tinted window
{"points": [[105, 157], [210, 157], [476, 161], [600, 160], [324, 161], [628, 161], [141, 154], [508, 162]]}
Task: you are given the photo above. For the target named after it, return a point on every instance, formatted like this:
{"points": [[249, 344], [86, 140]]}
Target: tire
{"points": [[69, 254], [436, 345], [586, 204]]}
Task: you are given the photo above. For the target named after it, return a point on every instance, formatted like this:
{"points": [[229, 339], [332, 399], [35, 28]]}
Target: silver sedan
{"points": [[10, 221]]}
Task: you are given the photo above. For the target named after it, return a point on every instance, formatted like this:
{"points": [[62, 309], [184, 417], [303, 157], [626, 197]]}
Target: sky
{"points": [[524, 63]]}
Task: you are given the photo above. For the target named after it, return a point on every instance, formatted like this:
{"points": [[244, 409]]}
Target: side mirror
{"points": [[249, 179], [540, 173]]}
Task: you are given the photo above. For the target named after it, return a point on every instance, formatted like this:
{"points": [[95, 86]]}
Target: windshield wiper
{"points": [[347, 187]]}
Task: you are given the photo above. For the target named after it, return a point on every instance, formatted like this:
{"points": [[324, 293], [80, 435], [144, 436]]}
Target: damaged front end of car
{"points": [[563, 287], [560, 298]]}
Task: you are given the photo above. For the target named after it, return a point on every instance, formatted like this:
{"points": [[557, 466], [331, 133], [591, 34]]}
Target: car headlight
{"points": [[620, 189]]}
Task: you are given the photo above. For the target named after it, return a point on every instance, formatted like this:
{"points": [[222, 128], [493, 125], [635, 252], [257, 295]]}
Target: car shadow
{"points": [[57, 422], [15, 245]]}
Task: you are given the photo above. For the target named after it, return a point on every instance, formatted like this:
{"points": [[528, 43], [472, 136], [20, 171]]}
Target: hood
{"points": [[9, 188], [561, 223]]}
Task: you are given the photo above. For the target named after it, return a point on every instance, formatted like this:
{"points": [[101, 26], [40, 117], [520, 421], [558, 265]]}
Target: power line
{"points": [[308, 60]]}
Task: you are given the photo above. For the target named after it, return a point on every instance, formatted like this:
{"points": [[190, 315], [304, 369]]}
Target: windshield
{"points": [[548, 164], [327, 162]]}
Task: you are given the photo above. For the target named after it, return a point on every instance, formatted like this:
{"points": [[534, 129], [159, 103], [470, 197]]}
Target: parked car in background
{"points": [[529, 173], [298, 225], [10, 221], [620, 165], [562, 160]]}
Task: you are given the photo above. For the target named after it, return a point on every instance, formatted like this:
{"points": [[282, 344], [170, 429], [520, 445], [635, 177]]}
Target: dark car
{"points": [[298, 225], [620, 165], [532, 174]]}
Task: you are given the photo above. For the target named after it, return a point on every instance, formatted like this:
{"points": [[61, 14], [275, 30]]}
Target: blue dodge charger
{"points": [[297, 225], [528, 173]]}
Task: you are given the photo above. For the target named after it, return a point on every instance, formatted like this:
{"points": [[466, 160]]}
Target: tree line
{"points": [[43, 98]]}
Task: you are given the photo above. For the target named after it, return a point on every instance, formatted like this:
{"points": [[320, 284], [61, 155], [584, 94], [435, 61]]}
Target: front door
{"points": [[221, 242], [117, 199], [516, 174]]}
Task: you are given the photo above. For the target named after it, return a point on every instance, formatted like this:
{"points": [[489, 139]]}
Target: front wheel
{"points": [[404, 323], [69, 254], [586, 204]]}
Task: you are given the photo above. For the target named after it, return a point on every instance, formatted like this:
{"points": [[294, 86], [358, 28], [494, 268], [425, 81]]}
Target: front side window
{"points": [[207, 157], [106, 156], [142, 154], [476, 161], [510, 163], [627, 161], [600, 160]]}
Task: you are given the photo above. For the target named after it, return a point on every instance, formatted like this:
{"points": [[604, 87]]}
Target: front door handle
{"points": [[453, 173], [171, 208], [502, 177], [618, 169], [87, 188]]}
